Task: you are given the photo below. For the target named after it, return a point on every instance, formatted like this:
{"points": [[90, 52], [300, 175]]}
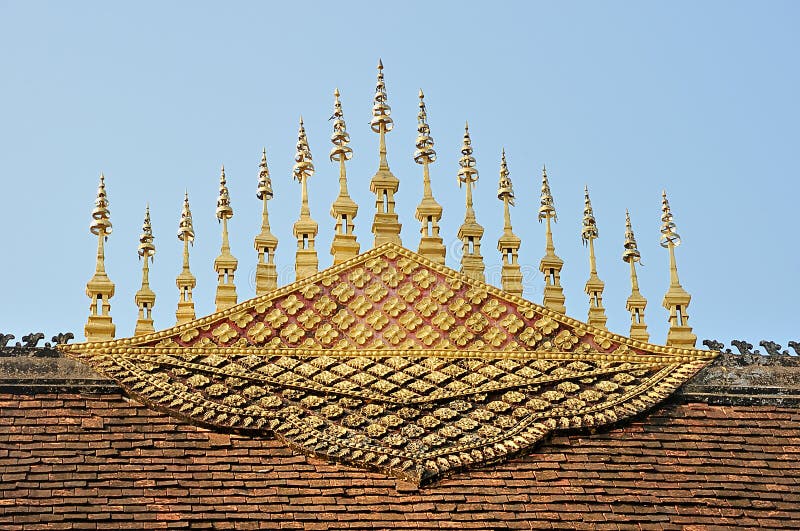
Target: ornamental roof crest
{"points": [[388, 359]]}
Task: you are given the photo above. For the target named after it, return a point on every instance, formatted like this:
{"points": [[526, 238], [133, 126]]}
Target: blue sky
{"points": [[628, 98]]}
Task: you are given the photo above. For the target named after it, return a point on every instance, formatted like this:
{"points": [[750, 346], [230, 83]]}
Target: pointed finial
{"points": [[467, 172], [145, 298], [146, 247], [264, 182], [101, 215], [631, 252], [340, 138], [343, 209], [470, 232], [589, 231], [224, 209], [381, 111], [505, 190], [636, 303], [594, 286], [386, 225], [265, 242], [424, 152], [669, 236], [551, 264], [305, 229], [509, 243], [677, 299], [304, 165], [100, 289], [428, 212], [225, 264], [186, 281], [547, 208], [186, 227]]}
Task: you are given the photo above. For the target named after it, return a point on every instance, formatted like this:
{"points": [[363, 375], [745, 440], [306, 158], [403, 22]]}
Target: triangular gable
{"points": [[390, 361]]}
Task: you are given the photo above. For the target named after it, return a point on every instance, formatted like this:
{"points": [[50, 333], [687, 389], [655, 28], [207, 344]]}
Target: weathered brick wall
{"points": [[101, 461]]}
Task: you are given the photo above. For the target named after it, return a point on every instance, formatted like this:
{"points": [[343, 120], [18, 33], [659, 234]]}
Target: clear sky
{"points": [[700, 98]]}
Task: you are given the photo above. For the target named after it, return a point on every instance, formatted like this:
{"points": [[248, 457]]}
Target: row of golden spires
{"points": [[385, 228]]}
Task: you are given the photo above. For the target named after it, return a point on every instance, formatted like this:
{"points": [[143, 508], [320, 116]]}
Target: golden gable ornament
{"points": [[390, 360]]}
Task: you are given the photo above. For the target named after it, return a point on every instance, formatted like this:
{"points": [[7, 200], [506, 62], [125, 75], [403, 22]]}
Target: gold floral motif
{"points": [[343, 319], [442, 293], [292, 333], [461, 335], [512, 323], [426, 307], [394, 307], [291, 305], [394, 334], [424, 278], [308, 319], [565, 340], [360, 333], [443, 320], [324, 306], [359, 277], [376, 292], [376, 265], [410, 321], [326, 334], [427, 335], [360, 306], [494, 309], [224, 333], [408, 292], [494, 337], [406, 265], [377, 320], [460, 308], [343, 292], [275, 318]]}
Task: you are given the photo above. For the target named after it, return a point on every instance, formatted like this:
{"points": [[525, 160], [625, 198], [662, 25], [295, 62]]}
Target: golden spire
{"points": [[265, 242], [145, 298], [470, 232], [385, 225], [636, 303], [185, 281], [594, 286], [551, 264], [343, 209], [225, 264], [509, 243], [676, 300], [305, 228], [429, 212], [100, 289]]}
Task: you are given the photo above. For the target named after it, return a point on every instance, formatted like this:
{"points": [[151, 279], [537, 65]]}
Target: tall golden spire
{"points": [[509, 243], [470, 232], [429, 212], [145, 298], [594, 286], [343, 209], [636, 303], [385, 225], [305, 228], [265, 242], [100, 289], [185, 281], [676, 300], [551, 264], [225, 264]]}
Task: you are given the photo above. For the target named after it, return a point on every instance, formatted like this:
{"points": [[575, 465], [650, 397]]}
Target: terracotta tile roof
{"points": [[72, 461]]}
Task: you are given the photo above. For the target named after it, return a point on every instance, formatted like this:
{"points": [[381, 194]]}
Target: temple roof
{"points": [[394, 362]]}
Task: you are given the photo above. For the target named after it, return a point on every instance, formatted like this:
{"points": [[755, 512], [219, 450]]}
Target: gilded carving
{"points": [[393, 362]]}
